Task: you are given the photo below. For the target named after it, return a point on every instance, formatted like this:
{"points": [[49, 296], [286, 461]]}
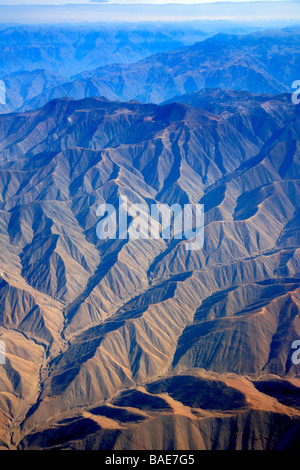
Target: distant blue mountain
{"points": [[68, 50], [263, 62]]}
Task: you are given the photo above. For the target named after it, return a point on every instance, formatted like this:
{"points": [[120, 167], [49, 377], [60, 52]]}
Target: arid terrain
{"points": [[142, 344]]}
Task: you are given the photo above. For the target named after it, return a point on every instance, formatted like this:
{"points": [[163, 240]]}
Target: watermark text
{"points": [[154, 222]]}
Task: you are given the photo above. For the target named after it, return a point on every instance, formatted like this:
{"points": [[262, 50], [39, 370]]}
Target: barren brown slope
{"points": [[84, 320]]}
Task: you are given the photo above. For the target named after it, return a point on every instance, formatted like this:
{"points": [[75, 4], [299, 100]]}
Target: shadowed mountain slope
{"points": [[182, 342]]}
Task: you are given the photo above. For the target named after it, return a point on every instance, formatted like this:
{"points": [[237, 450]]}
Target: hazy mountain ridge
{"points": [[263, 63], [93, 318], [34, 59], [67, 49]]}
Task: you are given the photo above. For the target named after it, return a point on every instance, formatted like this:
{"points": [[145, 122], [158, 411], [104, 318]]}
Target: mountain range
{"points": [[142, 344], [66, 49], [266, 62]]}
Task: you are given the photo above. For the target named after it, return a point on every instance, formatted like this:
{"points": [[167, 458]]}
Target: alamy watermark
{"points": [[154, 222], [2, 353], [296, 354], [2, 92]]}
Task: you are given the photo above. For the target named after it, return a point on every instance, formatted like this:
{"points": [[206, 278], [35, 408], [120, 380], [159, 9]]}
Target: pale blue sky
{"points": [[78, 11], [125, 2]]}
